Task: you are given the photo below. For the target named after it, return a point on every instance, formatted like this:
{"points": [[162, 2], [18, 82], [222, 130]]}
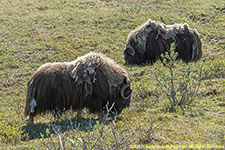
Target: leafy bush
{"points": [[10, 131], [10, 124], [142, 91], [214, 69], [178, 85]]}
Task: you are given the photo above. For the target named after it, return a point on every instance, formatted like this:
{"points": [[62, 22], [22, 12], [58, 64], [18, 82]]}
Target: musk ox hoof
{"points": [[29, 120], [79, 113]]}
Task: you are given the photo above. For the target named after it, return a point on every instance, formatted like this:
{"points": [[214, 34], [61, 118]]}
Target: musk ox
{"points": [[91, 81], [147, 42]]}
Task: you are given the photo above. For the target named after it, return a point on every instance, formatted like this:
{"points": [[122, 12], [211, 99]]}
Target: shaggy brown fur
{"points": [[91, 81], [147, 42]]}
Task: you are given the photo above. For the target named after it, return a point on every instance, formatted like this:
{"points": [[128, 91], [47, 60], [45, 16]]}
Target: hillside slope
{"points": [[36, 32]]}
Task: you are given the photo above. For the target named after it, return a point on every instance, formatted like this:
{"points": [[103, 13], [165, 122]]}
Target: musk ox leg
{"points": [[33, 104], [79, 113], [30, 119], [101, 116], [57, 114]]}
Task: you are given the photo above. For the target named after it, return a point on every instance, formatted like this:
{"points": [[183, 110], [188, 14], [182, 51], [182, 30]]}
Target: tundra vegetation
{"points": [[36, 32]]}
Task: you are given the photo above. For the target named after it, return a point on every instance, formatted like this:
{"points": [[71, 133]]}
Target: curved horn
{"points": [[130, 49], [123, 90]]}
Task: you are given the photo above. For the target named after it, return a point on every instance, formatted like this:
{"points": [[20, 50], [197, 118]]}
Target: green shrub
{"points": [[10, 130], [178, 85], [10, 123], [214, 69]]}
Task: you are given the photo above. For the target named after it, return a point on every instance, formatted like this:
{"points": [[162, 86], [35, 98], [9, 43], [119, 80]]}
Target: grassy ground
{"points": [[36, 32]]}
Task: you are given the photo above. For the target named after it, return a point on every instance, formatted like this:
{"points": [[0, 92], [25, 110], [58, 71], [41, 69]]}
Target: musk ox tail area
{"points": [[147, 42], [197, 46], [50, 88], [90, 82]]}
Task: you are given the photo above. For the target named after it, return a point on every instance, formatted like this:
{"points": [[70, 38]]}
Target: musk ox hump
{"points": [[112, 71], [84, 68], [170, 31], [84, 73], [140, 34], [73, 71]]}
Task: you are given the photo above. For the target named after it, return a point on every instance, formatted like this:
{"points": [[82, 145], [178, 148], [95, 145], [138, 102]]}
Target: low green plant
{"points": [[147, 135], [214, 69], [10, 131], [178, 85]]}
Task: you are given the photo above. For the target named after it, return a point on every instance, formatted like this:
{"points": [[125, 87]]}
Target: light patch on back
{"points": [[141, 33], [112, 71], [91, 70], [170, 31], [33, 104], [73, 69]]}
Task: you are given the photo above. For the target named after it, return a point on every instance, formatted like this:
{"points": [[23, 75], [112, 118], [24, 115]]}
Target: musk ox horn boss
{"points": [[147, 42], [91, 81]]}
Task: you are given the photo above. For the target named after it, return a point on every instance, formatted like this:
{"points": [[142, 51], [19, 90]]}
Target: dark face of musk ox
{"points": [[134, 54], [124, 99], [125, 96]]}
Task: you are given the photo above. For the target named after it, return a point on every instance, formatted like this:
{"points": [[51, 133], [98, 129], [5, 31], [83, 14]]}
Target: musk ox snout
{"points": [[90, 82], [128, 54]]}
